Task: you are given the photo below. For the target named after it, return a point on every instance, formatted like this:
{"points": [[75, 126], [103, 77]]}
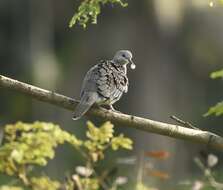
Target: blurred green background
{"points": [[175, 45]]}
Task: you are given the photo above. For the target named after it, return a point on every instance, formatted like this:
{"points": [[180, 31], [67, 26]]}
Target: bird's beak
{"points": [[132, 66]]}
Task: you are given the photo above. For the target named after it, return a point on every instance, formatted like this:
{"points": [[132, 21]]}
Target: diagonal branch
{"points": [[203, 137]]}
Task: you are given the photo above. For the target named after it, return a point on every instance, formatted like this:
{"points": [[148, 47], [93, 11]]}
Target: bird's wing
{"points": [[89, 93], [89, 82], [111, 83], [105, 79]]}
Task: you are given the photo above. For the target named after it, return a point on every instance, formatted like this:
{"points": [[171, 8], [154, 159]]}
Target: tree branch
{"points": [[203, 137]]}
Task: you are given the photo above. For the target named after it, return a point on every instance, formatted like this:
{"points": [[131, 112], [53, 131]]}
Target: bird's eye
{"points": [[123, 55]]}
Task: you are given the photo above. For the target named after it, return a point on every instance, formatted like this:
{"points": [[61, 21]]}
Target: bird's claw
{"points": [[110, 108], [113, 109]]}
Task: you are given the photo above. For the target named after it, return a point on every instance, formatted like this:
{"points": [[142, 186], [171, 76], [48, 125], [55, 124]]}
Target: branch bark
{"points": [[198, 136]]}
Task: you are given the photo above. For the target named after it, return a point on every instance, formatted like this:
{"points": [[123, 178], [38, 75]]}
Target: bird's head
{"points": [[124, 57]]}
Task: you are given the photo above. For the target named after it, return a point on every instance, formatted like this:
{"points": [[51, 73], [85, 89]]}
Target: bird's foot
{"points": [[111, 108]]}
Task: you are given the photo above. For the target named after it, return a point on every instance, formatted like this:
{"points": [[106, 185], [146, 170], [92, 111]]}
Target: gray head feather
{"points": [[123, 57]]}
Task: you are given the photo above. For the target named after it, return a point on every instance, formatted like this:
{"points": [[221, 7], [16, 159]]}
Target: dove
{"points": [[105, 83]]}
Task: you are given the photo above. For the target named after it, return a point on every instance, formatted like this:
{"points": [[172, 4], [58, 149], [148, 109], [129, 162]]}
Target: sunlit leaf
{"points": [[90, 183], [31, 144], [5, 187], [28, 145], [89, 10], [102, 134], [121, 142], [217, 74], [43, 183], [216, 110]]}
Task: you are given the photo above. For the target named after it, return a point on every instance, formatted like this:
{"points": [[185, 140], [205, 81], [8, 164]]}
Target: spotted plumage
{"points": [[104, 83], [112, 81]]}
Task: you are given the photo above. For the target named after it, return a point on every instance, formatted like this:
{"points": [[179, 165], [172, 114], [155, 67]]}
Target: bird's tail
{"points": [[86, 102]]}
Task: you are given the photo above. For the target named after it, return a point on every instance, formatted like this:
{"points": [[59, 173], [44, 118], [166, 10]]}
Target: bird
{"points": [[105, 83]]}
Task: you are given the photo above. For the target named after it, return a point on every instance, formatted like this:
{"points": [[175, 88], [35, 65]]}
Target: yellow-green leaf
{"points": [[121, 142], [217, 74]]}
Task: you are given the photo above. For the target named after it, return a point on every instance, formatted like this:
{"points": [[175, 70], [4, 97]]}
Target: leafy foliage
{"points": [[86, 183], [44, 183], [27, 145], [88, 11], [206, 163], [217, 74], [216, 110], [31, 144], [5, 187], [102, 138], [121, 142]]}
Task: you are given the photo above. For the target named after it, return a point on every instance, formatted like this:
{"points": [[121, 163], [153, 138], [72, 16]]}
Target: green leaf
{"points": [[6, 187], [90, 183], [102, 134], [41, 183], [217, 74], [106, 132], [121, 142], [216, 110], [31, 144], [28, 144], [89, 10], [100, 139]]}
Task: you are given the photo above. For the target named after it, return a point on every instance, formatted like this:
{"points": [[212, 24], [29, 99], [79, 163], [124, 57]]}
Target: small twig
{"points": [[22, 174], [140, 168], [184, 123], [1, 135], [78, 184], [101, 179]]}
